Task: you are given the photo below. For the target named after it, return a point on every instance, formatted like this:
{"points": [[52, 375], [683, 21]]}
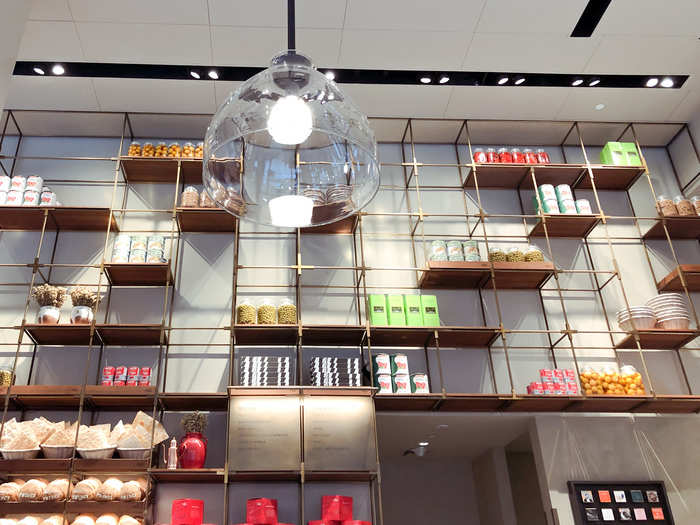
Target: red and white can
{"points": [[570, 376], [546, 375], [549, 388], [535, 388], [144, 382], [107, 382], [132, 382], [108, 373], [571, 389], [30, 198], [14, 198], [120, 373], [145, 373], [559, 389], [119, 383], [479, 156], [558, 375]]}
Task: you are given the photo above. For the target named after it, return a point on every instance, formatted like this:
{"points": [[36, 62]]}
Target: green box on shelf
{"points": [[377, 310], [613, 154], [414, 315], [632, 157], [429, 308], [395, 311]]}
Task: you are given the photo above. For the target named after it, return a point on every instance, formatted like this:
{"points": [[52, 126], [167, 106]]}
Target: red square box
{"points": [[558, 376], [549, 388], [261, 511], [336, 507], [657, 513], [571, 389], [604, 496], [535, 388], [559, 389], [546, 375], [570, 375]]}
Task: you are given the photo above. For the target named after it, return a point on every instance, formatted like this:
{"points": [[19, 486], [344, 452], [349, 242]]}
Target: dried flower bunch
{"points": [[83, 297], [47, 295], [194, 422]]}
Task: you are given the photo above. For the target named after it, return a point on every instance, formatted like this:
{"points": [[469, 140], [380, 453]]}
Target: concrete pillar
{"points": [[12, 20]]}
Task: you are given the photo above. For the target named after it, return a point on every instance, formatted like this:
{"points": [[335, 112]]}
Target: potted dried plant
{"points": [[84, 302], [50, 299], [192, 450]]}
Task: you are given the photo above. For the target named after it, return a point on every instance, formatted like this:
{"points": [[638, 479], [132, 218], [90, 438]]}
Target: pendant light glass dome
{"points": [[289, 149]]}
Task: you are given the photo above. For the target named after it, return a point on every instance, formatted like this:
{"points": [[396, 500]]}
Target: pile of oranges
{"points": [[626, 382]]}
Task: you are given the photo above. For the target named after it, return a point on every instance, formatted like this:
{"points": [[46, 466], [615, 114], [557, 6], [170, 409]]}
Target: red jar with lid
{"points": [[518, 156], [542, 156], [530, 156], [492, 156], [504, 156], [479, 156]]}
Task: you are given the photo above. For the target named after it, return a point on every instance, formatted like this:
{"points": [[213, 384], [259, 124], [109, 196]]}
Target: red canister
{"points": [[479, 156], [518, 156], [119, 383], [132, 382], [120, 373], [542, 156], [504, 156], [491, 156], [144, 382], [108, 372], [530, 156], [187, 512], [107, 382]]}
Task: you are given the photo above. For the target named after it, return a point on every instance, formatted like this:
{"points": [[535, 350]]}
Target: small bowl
{"points": [[57, 451], [641, 323], [678, 323], [96, 453], [134, 453], [29, 453]]}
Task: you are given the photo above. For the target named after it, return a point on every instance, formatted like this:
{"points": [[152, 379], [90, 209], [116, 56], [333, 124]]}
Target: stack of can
{"points": [[126, 376], [335, 371], [25, 191], [121, 248], [560, 200], [264, 371], [138, 249], [391, 376]]}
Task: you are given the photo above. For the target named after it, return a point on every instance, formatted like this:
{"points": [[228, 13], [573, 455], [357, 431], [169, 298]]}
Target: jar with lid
{"points": [[199, 150], [205, 200], [533, 254], [471, 250], [504, 156], [267, 312], [496, 254], [47, 198], [530, 156], [479, 156], [134, 149], [666, 206], [591, 382], [492, 156], [31, 198], [245, 312], [174, 150], [542, 156], [684, 206], [438, 251], [188, 150], [518, 156], [161, 150], [148, 150], [5, 182], [454, 251], [286, 312], [515, 254], [7, 378], [695, 201], [189, 197], [631, 381]]}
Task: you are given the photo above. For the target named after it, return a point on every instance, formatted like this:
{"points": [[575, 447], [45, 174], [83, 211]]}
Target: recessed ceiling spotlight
{"points": [[594, 82], [577, 82], [58, 69], [194, 74], [425, 80], [444, 79], [330, 75], [423, 444], [213, 74], [652, 82], [502, 80], [667, 82], [38, 70], [519, 80], [599, 106]]}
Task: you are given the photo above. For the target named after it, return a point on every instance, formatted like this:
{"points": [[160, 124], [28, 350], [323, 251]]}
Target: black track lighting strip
{"points": [[590, 18], [345, 76]]}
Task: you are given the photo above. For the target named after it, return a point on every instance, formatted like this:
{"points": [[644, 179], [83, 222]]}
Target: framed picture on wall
{"points": [[619, 501]]}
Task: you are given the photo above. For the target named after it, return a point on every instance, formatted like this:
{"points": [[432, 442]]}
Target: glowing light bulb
{"points": [[290, 121], [291, 211]]}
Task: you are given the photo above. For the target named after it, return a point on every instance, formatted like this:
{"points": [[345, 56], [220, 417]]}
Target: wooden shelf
{"points": [[138, 274], [109, 334], [464, 275], [672, 282], [291, 475], [58, 466], [611, 177], [188, 401], [577, 226], [346, 225], [449, 336], [271, 334], [687, 227], [131, 334], [60, 334], [42, 397], [120, 397], [514, 176], [161, 170], [197, 475], [332, 335], [132, 508], [419, 402], [659, 339], [67, 218], [205, 220], [110, 465]]}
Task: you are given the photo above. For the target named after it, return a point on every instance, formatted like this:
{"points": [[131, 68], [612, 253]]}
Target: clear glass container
{"points": [[267, 312], [188, 150], [497, 254], [515, 254], [286, 312], [695, 201], [245, 312], [199, 150], [174, 150], [189, 197], [134, 149], [684, 206], [161, 150], [148, 150], [7, 378], [666, 206], [533, 254]]}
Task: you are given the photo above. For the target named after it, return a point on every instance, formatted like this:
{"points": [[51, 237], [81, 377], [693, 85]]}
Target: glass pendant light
{"points": [[289, 149]]}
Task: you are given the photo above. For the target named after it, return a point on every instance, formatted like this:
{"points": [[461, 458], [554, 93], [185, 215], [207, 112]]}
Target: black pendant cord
{"points": [[291, 36]]}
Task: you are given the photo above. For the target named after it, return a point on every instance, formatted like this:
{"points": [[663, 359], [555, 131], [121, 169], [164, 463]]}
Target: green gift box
{"points": [[632, 157], [614, 154], [429, 309], [414, 315], [377, 310], [395, 311]]}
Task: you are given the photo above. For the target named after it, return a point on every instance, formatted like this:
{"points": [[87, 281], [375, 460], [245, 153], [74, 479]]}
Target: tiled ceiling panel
{"points": [[166, 96], [50, 40], [505, 102], [138, 11], [51, 93], [326, 14], [399, 101], [416, 16], [50, 10], [531, 16], [651, 17]]}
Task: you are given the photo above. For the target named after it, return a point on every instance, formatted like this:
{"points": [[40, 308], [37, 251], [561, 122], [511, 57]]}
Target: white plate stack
{"points": [[671, 311], [642, 316]]}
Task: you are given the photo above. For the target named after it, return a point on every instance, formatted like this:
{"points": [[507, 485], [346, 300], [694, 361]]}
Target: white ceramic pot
{"points": [[81, 315], [48, 315]]}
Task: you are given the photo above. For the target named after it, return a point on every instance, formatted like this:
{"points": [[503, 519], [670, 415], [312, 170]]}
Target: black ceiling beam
{"points": [[343, 76], [590, 18]]}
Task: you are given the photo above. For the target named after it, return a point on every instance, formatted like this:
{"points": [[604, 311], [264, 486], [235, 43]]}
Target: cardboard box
{"points": [[336, 508], [558, 376], [395, 311], [261, 511], [632, 157], [414, 315], [571, 389], [399, 364], [401, 384], [546, 375], [569, 376], [381, 364], [613, 154], [420, 384], [377, 310], [549, 388], [535, 388], [429, 309], [559, 389]]}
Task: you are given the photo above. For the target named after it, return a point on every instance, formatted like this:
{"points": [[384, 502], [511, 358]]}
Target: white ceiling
{"points": [[634, 37]]}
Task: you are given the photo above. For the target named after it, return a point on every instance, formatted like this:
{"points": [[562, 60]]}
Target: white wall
{"points": [[14, 16], [493, 492]]}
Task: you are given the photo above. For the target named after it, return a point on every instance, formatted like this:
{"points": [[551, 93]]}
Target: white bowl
{"points": [[96, 453], [57, 451], [675, 324], [134, 453], [640, 323], [29, 453]]}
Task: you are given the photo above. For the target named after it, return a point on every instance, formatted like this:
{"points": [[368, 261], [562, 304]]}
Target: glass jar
{"points": [[496, 254], [518, 156], [199, 150], [533, 254], [7, 378], [504, 156], [695, 201], [631, 381], [245, 312], [161, 150], [189, 197], [267, 312], [205, 200], [479, 156], [471, 251], [591, 382], [454, 251], [666, 206], [286, 312], [148, 150], [188, 150], [174, 150], [610, 381], [438, 251], [542, 156], [492, 156], [684, 206], [515, 254], [134, 149], [530, 156]]}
